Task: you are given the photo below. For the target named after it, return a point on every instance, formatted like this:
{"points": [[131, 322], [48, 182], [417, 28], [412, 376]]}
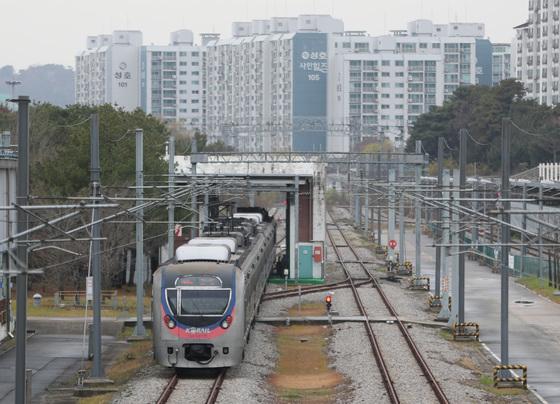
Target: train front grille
{"points": [[198, 352]]}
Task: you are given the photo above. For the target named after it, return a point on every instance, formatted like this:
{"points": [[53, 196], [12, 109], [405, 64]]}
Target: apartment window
{"points": [[195, 82], [196, 73], [182, 73], [385, 85], [195, 54], [385, 95], [182, 63], [183, 110], [386, 63], [436, 45], [385, 106], [399, 63], [182, 91], [182, 53], [399, 106], [195, 101], [399, 74], [399, 85], [195, 91], [399, 96], [346, 45], [195, 63], [385, 74], [182, 101], [423, 45], [195, 110]]}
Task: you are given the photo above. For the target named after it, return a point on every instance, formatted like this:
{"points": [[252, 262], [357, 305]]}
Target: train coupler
{"points": [[504, 376], [420, 283], [465, 331]]}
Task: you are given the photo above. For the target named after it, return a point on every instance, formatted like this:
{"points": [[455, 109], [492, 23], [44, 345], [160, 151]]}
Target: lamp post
{"points": [[13, 84]]}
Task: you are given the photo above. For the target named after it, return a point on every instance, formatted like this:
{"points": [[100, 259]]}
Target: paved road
{"points": [[534, 329], [48, 355]]}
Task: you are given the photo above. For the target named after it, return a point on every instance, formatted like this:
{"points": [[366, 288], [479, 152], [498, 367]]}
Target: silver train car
{"points": [[205, 299]]}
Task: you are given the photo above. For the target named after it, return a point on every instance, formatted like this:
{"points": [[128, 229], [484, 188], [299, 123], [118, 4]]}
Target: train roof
{"points": [[231, 242]]}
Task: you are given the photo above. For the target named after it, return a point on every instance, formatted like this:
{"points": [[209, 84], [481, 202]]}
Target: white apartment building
{"points": [[382, 94], [537, 51], [267, 85], [172, 80], [380, 85], [107, 72], [501, 62], [164, 80]]}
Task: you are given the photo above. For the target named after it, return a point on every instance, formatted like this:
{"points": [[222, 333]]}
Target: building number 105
{"points": [[313, 77]]}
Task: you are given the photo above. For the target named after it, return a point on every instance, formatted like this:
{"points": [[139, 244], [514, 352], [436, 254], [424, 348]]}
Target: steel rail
{"points": [[168, 389], [310, 289], [212, 395], [436, 388], [383, 369], [216, 386]]}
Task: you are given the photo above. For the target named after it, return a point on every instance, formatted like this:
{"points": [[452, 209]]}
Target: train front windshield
{"points": [[204, 302]]}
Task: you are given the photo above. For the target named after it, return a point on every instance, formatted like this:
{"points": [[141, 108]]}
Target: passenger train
{"points": [[206, 297]]}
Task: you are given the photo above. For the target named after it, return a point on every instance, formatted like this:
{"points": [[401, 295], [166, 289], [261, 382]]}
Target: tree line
{"points": [[480, 110], [60, 170]]}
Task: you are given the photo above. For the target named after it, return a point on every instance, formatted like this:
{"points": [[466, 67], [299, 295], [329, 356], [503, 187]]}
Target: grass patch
{"points": [[126, 307], [539, 286], [101, 399], [136, 356], [487, 383], [446, 335], [302, 371]]}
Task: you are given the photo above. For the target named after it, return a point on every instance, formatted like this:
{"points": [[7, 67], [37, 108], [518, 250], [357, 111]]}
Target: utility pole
{"points": [[366, 202], [402, 235], [444, 313], [523, 235], [541, 203], [95, 176], [391, 215], [462, 185], [454, 227], [171, 205], [139, 330], [418, 214], [505, 239], [438, 217], [22, 196], [194, 210]]}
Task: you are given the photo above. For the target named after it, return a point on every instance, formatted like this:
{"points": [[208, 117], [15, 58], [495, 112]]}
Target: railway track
{"points": [[171, 389], [311, 289], [378, 354]]}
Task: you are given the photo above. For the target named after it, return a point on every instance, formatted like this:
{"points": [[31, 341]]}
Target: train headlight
{"points": [[169, 322], [227, 322]]}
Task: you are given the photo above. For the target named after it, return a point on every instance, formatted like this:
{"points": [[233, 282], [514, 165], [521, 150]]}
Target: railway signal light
{"points": [[328, 302]]}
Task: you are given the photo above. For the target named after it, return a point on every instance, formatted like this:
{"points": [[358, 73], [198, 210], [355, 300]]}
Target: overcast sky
{"points": [[53, 31]]}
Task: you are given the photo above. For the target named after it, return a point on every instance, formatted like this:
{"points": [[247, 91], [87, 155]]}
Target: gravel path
{"points": [[352, 357], [247, 383], [191, 390], [409, 381], [343, 302], [146, 387]]}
